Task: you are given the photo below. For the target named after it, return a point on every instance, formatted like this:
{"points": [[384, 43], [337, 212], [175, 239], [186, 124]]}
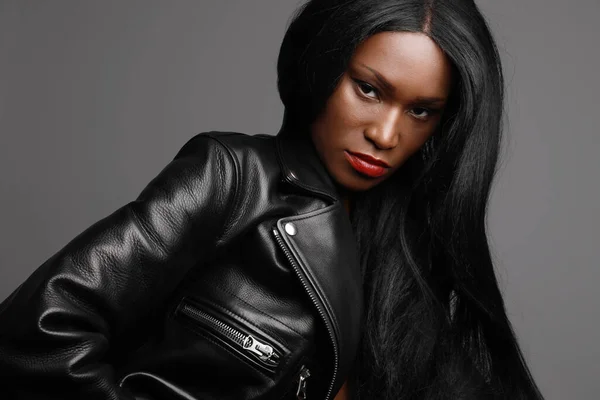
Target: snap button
{"points": [[290, 229]]}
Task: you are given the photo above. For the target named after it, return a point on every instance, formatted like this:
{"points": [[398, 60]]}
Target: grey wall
{"points": [[96, 97]]}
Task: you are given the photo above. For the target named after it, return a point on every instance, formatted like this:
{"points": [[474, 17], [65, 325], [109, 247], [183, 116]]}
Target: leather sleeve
{"points": [[58, 328]]}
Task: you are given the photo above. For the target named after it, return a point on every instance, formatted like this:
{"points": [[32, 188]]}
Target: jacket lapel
{"points": [[324, 246]]}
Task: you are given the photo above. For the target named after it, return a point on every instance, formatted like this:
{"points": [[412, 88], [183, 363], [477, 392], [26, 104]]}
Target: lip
{"points": [[370, 159], [365, 167]]}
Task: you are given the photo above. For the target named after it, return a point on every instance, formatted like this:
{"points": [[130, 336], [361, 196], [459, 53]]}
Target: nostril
{"points": [[383, 139]]}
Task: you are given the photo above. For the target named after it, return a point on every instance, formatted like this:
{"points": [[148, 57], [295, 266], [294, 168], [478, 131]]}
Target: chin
{"points": [[358, 183]]}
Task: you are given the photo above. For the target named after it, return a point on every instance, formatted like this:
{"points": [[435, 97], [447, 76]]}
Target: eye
{"points": [[365, 89], [422, 112]]}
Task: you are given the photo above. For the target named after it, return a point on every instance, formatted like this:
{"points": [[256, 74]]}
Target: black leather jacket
{"points": [[233, 275]]}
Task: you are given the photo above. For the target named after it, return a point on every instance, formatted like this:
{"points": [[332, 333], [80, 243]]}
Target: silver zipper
{"points": [[263, 351], [301, 390], [307, 288]]}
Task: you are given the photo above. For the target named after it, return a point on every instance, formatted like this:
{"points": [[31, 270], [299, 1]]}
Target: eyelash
{"points": [[362, 84]]}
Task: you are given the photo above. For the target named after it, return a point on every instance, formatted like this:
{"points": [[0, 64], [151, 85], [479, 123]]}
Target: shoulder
{"points": [[241, 158], [243, 144], [247, 152], [250, 166], [237, 143], [206, 168]]}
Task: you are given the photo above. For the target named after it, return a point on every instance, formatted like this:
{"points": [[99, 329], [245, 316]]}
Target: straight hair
{"points": [[435, 320]]}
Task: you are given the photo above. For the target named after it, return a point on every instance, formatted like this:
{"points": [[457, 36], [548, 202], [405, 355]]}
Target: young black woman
{"points": [[346, 257]]}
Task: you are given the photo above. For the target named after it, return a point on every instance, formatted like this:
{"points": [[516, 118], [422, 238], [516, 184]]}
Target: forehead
{"points": [[410, 61]]}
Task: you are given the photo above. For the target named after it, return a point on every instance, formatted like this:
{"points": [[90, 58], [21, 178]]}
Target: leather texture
{"points": [[234, 268]]}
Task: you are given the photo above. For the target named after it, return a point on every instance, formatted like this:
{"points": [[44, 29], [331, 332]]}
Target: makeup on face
{"points": [[366, 164], [386, 105]]}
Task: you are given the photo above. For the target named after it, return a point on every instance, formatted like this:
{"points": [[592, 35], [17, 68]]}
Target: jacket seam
{"points": [[146, 232], [236, 195]]}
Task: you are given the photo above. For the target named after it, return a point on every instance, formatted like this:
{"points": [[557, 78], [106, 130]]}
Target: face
{"points": [[386, 105]]}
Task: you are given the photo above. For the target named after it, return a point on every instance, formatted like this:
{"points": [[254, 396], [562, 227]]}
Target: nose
{"points": [[384, 130]]}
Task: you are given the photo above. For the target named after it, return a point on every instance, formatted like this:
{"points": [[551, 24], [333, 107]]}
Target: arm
{"points": [[57, 328]]}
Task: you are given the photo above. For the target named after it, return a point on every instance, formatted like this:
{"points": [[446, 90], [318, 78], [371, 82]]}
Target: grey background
{"points": [[96, 97]]}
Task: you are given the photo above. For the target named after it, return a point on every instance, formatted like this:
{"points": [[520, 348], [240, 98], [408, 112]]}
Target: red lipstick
{"points": [[366, 164]]}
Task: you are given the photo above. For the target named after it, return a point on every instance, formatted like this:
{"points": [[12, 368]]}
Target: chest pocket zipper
{"points": [[258, 350]]}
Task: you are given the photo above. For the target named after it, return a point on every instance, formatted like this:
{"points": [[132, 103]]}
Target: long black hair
{"points": [[436, 324]]}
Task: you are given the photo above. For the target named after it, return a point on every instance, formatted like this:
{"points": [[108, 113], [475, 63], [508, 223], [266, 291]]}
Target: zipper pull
{"points": [[264, 351], [301, 391]]}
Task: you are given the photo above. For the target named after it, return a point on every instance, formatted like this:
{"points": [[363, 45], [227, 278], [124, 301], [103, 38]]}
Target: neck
{"points": [[345, 196], [347, 201]]}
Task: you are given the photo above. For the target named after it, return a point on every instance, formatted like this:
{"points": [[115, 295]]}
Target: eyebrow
{"points": [[389, 87]]}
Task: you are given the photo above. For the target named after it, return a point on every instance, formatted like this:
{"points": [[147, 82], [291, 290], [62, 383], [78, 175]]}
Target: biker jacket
{"points": [[233, 275]]}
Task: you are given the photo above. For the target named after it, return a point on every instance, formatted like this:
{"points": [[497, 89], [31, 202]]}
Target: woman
{"points": [[344, 257]]}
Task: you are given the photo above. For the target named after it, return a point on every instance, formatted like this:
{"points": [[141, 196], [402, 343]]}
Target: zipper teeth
{"points": [[315, 302], [230, 332]]}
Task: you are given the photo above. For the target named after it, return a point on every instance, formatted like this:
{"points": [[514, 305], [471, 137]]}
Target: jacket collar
{"points": [[301, 164]]}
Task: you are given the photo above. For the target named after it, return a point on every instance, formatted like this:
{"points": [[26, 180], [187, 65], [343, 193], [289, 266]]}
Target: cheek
{"points": [[415, 133], [414, 142], [344, 108], [411, 141]]}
